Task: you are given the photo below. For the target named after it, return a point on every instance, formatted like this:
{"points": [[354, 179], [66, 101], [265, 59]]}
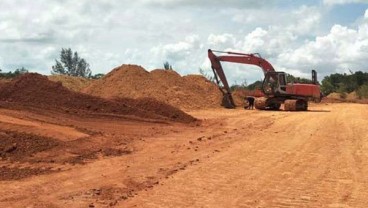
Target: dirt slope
{"points": [[188, 92], [236, 158], [37, 91]]}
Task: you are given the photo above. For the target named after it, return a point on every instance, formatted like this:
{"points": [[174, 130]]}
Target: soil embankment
{"points": [[37, 91], [132, 81]]}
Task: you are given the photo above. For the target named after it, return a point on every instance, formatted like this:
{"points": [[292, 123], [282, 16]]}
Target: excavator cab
{"points": [[274, 83]]}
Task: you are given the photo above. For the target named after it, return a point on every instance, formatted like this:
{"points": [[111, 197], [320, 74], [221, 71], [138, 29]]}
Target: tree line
{"points": [[12, 74], [346, 83]]}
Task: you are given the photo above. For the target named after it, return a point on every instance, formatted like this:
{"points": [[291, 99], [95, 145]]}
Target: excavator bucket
{"points": [[227, 101]]}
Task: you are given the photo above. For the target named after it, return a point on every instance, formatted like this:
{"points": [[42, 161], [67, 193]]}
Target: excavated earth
{"points": [[61, 148], [34, 90], [132, 81], [54, 127]]}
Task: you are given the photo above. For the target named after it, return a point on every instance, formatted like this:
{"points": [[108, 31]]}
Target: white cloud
{"points": [[300, 21], [332, 2], [266, 42], [269, 42], [210, 3], [306, 19], [341, 49], [177, 51], [224, 41], [180, 54], [255, 39], [1, 63], [108, 33]]}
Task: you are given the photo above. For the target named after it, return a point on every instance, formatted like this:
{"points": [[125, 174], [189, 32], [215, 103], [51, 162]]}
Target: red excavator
{"points": [[276, 90]]}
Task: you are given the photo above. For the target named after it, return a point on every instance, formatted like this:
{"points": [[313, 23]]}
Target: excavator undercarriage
{"points": [[271, 103]]}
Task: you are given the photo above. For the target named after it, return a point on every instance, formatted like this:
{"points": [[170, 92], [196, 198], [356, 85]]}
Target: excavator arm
{"points": [[242, 58]]}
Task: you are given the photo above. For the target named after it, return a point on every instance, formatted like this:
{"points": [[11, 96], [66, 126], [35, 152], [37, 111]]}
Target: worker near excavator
{"points": [[250, 101]]}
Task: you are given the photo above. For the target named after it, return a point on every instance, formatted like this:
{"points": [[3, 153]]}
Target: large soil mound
{"points": [[188, 92], [36, 90]]}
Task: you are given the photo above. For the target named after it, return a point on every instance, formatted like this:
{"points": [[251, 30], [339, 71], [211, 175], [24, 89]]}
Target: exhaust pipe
{"points": [[314, 77]]}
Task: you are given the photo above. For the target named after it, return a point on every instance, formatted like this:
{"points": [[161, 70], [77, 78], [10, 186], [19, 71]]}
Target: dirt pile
{"points": [[343, 98], [15, 145], [37, 91], [334, 95], [352, 96], [188, 92], [71, 82]]}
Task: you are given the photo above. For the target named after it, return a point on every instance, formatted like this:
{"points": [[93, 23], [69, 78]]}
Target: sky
{"points": [[295, 36]]}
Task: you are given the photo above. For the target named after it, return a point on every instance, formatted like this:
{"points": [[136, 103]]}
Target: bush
{"points": [[362, 92]]}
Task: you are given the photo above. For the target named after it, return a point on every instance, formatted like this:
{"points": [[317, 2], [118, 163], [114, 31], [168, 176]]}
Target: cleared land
{"points": [[231, 158]]}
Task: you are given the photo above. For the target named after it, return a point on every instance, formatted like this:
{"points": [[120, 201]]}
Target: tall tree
{"points": [[71, 64]]}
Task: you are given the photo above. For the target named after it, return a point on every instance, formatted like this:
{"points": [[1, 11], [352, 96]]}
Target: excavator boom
{"points": [[234, 57], [241, 58]]}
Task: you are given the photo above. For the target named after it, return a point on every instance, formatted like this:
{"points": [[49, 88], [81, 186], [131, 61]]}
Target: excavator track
{"points": [[260, 103], [267, 104], [295, 105], [290, 105]]}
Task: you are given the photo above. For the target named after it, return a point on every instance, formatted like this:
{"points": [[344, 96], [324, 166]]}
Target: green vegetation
{"points": [[10, 74], [71, 64], [291, 78], [255, 85], [97, 76], [362, 92], [346, 83], [167, 66]]}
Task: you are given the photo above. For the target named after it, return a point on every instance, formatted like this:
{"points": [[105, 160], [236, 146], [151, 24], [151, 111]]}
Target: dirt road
{"points": [[235, 158]]}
